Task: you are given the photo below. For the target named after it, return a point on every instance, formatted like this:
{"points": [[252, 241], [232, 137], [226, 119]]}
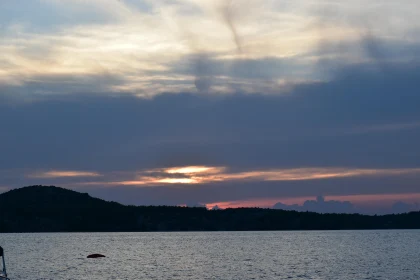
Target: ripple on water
{"points": [[220, 255]]}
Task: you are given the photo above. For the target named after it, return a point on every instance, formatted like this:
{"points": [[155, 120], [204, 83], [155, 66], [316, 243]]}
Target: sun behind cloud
{"points": [[195, 175]]}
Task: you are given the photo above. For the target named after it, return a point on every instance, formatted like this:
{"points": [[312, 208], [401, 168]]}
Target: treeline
{"points": [[52, 209]]}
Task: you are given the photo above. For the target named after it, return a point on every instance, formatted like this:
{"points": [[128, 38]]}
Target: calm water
{"points": [[237, 255]]}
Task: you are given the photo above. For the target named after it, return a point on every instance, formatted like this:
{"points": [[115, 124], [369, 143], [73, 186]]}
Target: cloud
{"points": [[63, 174], [104, 9], [307, 127], [142, 46], [320, 205], [402, 207]]}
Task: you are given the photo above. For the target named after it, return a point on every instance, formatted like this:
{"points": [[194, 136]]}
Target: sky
{"points": [[302, 105]]}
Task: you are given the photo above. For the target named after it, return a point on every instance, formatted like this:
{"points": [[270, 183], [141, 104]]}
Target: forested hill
{"points": [[53, 209]]}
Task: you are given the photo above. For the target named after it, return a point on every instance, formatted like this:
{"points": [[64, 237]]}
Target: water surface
{"points": [[219, 255]]}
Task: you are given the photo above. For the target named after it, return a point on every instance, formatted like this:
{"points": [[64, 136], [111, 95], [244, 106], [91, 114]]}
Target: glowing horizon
{"points": [[363, 200]]}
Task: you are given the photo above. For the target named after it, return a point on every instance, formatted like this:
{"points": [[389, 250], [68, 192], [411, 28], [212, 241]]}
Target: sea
{"points": [[215, 255]]}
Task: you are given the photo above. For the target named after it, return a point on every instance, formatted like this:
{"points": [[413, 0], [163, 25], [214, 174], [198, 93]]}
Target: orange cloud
{"points": [[64, 174]]}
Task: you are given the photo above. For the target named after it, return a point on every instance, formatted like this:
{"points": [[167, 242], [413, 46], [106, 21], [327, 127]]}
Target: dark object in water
{"points": [[95, 256], [3, 273]]}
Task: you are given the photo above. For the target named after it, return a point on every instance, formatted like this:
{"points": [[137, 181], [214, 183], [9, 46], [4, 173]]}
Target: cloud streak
{"points": [[194, 175], [63, 174]]}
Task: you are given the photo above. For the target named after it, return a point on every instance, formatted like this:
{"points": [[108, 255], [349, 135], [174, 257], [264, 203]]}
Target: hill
{"points": [[53, 209]]}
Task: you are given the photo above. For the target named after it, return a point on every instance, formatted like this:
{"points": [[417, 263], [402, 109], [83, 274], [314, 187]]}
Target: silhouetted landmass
{"points": [[52, 209]]}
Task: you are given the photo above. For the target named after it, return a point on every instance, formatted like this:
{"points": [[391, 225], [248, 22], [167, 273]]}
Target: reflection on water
{"points": [[221, 255]]}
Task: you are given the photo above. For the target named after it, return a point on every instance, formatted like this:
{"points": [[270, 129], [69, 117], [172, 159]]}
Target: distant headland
{"points": [[54, 209]]}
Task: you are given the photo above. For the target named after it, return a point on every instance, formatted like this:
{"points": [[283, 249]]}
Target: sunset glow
{"points": [[193, 170], [206, 175], [203, 175], [234, 102], [176, 181]]}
